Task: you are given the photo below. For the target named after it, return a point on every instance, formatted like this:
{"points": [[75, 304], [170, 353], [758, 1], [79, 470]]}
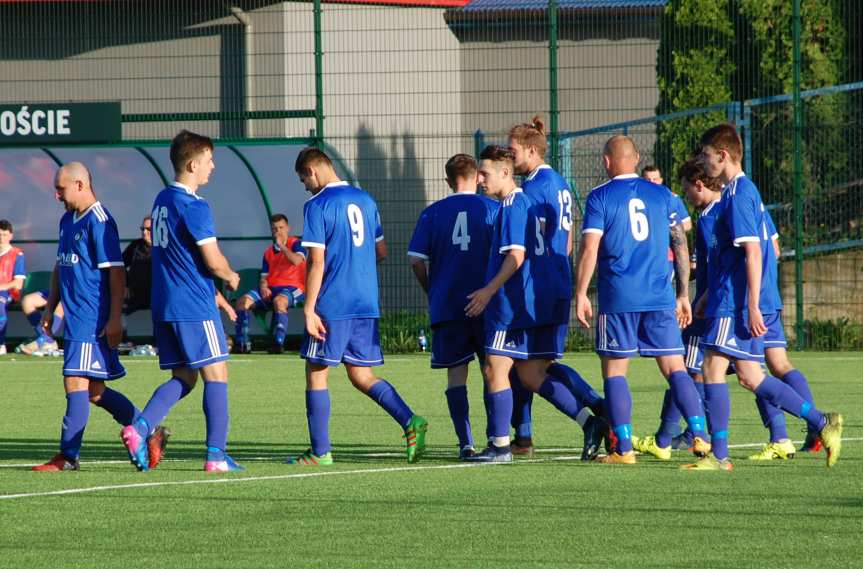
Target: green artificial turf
{"points": [[371, 509]]}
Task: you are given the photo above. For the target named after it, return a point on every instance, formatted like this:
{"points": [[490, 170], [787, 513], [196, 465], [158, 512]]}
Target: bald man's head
{"points": [[73, 186], [620, 156], [76, 172]]}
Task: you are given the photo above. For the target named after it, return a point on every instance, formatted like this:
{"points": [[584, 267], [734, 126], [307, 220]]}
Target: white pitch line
{"points": [[318, 474]]}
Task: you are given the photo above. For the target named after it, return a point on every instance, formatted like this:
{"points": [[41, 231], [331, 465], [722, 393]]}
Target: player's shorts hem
{"points": [[736, 354], [197, 364], [101, 376], [658, 352], [517, 355], [364, 363], [775, 344], [618, 353], [321, 361], [446, 365]]}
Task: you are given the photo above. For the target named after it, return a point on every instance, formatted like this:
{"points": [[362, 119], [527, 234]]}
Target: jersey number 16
{"points": [[160, 227]]}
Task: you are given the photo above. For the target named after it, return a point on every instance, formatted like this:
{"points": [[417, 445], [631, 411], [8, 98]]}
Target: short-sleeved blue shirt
{"points": [[89, 246], [453, 236], [519, 303], [703, 234], [633, 217], [740, 218], [344, 221], [183, 289]]}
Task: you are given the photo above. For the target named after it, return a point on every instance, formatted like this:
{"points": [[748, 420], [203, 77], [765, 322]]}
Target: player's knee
{"points": [[778, 363], [95, 390], [280, 304], [362, 378], [245, 302]]}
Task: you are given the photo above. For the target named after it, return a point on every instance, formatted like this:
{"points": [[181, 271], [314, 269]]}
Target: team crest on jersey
{"points": [[78, 236]]}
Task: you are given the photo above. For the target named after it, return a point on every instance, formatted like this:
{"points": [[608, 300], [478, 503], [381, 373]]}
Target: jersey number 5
{"points": [[355, 220], [637, 220], [460, 235], [160, 227]]}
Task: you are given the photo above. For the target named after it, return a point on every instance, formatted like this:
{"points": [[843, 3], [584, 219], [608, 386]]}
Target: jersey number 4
{"points": [[460, 235], [160, 227]]}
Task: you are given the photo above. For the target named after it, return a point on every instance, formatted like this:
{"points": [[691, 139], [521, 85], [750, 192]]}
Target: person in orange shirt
{"points": [[282, 285]]}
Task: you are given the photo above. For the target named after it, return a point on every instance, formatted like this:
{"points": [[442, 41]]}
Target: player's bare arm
{"points": [[381, 251], [753, 282], [314, 277], [585, 265], [53, 301], [479, 299], [681, 269], [113, 331], [420, 270], [218, 264]]}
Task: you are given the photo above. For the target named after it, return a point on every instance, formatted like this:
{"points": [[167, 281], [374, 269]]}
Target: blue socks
{"points": [[499, 412], [773, 418], [784, 397], [4, 320], [281, 329], [577, 385], [115, 403], [241, 326], [74, 422], [318, 417], [687, 400], [798, 383], [522, 405], [216, 413], [387, 397], [165, 397], [557, 393], [717, 400], [459, 412], [669, 417], [618, 408]]}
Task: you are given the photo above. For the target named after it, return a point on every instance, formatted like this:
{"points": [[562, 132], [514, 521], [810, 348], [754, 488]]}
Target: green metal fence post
{"points": [[552, 83], [798, 184], [319, 78]]}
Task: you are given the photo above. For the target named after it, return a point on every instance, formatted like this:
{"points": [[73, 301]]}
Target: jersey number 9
{"points": [[160, 227], [355, 220]]}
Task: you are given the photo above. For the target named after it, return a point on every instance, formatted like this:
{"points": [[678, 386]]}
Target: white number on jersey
{"points": [[540, 241], [564, 200], [637, 220], [355, 219], [460, 236], [160, 227]]}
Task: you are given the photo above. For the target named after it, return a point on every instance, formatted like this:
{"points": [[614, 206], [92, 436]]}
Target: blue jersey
{"points": [[516, 304], [633, 217], [703, 235], [182, 286], [454, 236], [772, 280], [553, 199], [89, 246], [679, 212], [741, 218], [344, 221]]}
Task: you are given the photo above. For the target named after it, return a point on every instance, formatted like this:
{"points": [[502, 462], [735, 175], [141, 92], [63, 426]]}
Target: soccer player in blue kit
{"points": [[552, 199], [741, 304], [626, 232], [344, 241], [186, 321], [90, 278], [452, 238], [520, 322]]}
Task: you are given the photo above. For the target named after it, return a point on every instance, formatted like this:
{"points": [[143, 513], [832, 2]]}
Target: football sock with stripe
{"points": [[618, 405], [119, 406], [74, 422], [522, 407], [798, 383], [281, 327], [719, 403], [773, 418], [216, 413], [241, 326], [687, 401], [385, 395], [669, 421], [459, 412], [580, 388], [318, 417], [166, 396], [499, 413], [784, 397]]}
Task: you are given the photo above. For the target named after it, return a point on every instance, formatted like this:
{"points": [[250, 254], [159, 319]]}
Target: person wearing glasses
{"points": [[136, 258]]}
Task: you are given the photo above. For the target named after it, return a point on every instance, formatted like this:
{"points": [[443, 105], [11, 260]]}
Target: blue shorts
{"points": [[775, 336], [293, 294], [355, 341], [94, 360], [190, 344], [539, 343], [729, 335], [648, 334], [455, 342], [694, 357]]}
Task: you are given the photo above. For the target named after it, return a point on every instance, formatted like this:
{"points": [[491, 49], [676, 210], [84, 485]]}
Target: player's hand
{"points": [[282, 242], [266, 293], [756, 323], [233, 282], [47, 322], [700, 307], [229, 310], [479, 299], [684, 312], [583, 310], [113, 331], [315, 326]]}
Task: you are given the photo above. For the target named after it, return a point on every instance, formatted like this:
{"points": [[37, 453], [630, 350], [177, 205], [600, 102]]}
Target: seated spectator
{"points": [[32, 305], [12, 275], [282, 285], [136, 258]]}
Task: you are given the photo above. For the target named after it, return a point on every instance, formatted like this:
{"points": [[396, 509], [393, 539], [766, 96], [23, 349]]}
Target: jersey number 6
{"points": [[637, 220]]}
